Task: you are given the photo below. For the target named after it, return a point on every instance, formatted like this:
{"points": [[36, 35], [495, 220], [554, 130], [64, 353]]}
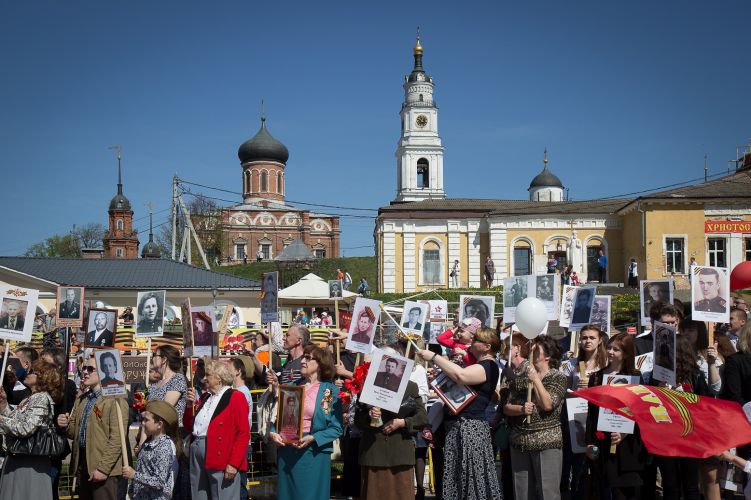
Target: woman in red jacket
{"points": [[220, 437]]}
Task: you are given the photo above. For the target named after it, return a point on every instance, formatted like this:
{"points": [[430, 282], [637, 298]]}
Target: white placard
{"points": [[567, 305], [601, 312], [609, 421], [651, 291], [514, 291], [414, 316], [439, 311], [710, 293], [17, 309], [110, 368], [663, 353], [645, 364], [387, 381], [363, 325], [481, 307], [577, 410]]}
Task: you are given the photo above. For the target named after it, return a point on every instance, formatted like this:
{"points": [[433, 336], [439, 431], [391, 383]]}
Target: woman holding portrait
{"points": [[304, 468], [469, 463], [28, 476]]}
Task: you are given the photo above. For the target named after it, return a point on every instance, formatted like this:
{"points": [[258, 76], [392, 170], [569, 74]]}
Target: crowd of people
{"points": [[510, 441]]}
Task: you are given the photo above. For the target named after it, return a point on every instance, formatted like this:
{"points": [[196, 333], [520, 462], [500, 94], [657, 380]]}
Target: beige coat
{"points": [[103, 448]]}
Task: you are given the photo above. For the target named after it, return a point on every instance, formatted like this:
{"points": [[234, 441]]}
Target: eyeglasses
{"points": [[308, 357], [88, 369]]}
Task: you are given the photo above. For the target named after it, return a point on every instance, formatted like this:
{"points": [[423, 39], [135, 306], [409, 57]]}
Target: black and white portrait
{"points": [[69, 306], [545, 287], [335, 289], [101, 328], [453, 394], [414, 316], [664, 353], [477, 306], [150, 314], [269, 299], [583, 300], [111, 377]]}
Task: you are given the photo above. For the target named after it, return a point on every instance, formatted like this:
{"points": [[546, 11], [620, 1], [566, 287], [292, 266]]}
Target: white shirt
{"points": [[420, 377], [201, 423]]}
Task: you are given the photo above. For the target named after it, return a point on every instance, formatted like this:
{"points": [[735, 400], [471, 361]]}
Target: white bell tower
{"points": [[419, 155]]}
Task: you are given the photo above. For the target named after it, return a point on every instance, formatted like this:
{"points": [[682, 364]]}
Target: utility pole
{"points": [[174, 215]]}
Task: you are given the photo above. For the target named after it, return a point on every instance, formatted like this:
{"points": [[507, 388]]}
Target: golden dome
{"points": [[418, 48]]}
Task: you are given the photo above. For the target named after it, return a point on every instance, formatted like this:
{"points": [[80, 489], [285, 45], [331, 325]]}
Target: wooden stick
{"points": [[337, 347], [406, 351], [123, 443], [582, 370], [399, 327], [357, 359], [574, 346], [5, 362], [336, 315], [710, 333], [148, 361], [529, 384], [612, 447]]}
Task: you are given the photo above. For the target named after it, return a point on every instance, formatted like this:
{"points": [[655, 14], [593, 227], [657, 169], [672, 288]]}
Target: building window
{"points": [[716, 250], [247, 181], [593, 268], [674, 255], [264, 181], [423, 173], [421, 98], [748, 248], [118, 252], [320, 253], [431, 263], [240, 251], [120, 225], [522, 261], [266, 251], [279, 183]]}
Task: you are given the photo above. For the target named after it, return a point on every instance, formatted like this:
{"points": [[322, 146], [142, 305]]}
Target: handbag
{"points": [[44, 442]]}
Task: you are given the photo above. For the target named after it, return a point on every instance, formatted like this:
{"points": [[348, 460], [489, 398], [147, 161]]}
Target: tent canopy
{"points": [[311, 290]]}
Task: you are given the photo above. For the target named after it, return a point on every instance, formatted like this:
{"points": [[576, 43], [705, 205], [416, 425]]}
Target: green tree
{"points": [[56, 246]]}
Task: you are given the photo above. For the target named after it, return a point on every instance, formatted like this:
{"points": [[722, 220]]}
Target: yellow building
{"points": [[422, 234]]}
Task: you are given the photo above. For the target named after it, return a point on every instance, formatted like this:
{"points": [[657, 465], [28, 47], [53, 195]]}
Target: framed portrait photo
{"points": [[289, 419], [362, 328], [204, 335], [710, 294], [456, 396], [335, 289], [414, 316], [664, 353], [187, 325], [70, 310], [110, 368], [150, 313], [477, 306], [387, 380], [17, 309], [567, 305], [581, 313], [269, 297], [101, 328], [651, 291]]}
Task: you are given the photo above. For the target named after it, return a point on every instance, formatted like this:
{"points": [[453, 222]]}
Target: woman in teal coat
{"points": [[304, 469]]}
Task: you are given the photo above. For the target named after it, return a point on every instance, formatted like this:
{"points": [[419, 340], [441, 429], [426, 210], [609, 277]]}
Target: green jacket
{"points": [[103, 445], [398, 448]]}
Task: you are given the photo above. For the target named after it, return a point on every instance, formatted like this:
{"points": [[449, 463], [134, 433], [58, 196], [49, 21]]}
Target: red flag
{"points": [[674, 423]]}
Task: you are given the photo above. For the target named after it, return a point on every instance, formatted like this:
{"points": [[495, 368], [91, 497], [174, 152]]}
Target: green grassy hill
{"points": [[357, 267]]}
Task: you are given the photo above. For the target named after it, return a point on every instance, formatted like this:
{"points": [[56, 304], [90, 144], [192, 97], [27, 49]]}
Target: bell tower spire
{"points": [[419, 153]]}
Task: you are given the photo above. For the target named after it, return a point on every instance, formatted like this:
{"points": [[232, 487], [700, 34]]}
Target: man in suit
{"points": [[388, 379], [70, 308], [709, 285], [13, 321], [412, 322], [583, 306], [101, 336]]}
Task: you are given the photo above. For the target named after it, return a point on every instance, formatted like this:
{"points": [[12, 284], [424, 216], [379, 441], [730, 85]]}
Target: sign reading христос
{"points": [[727, 226]]}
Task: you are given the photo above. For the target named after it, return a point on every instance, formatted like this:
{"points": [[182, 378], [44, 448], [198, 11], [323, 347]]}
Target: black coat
{"points": [[736, 386]]}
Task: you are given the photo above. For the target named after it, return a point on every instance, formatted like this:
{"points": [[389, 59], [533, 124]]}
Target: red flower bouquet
{"points": [[354, 385], [600, 435], [140, 399]]}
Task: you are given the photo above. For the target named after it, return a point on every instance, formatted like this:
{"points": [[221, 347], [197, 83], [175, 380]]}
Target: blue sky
{"points": [[626, 96]]}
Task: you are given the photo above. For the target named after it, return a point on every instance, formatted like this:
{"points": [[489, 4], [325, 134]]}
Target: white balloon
{"points": [[531, 317]]}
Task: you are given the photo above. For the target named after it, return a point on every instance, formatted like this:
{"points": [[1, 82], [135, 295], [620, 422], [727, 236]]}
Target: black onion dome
{"points": [[263, 146], [151, 251], [120, 202], [546, 178]]}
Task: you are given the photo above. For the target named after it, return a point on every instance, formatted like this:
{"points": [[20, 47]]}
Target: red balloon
{"points": [[740, 277]]}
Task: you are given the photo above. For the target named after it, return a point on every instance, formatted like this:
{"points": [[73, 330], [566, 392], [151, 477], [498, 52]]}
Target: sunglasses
{"points": [[308, 357], [88, 369]]}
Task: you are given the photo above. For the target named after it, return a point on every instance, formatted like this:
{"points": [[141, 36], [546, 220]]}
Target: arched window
{"points": [[279, 183], [431, 263], [420, 98], [118, 252], [423, 173], [247, 181], [264, 181], [120, 225]]}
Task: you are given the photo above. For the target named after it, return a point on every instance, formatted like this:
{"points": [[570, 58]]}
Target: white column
{"points": [[408, 253], [499, 251], [474, 265], [389, 260], [735, 250], [454, 250]]}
